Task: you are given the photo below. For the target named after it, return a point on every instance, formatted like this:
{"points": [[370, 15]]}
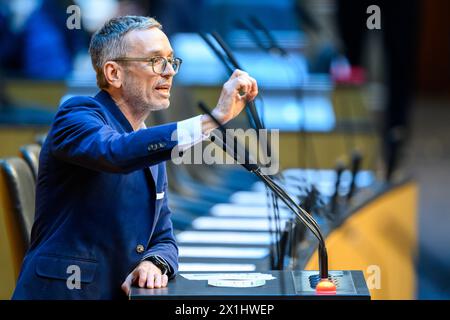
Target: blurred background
{"points": [[373, 102]]}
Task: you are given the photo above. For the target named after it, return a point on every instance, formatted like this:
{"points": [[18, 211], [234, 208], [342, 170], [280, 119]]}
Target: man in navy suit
{"points": [[102, 222]]}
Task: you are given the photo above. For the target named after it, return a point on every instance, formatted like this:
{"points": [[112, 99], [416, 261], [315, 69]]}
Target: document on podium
{"points": [[215, 267], [228, 276], [231, 280]]}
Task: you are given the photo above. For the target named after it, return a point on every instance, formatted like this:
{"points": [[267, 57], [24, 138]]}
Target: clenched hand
{"points": [[236, 92]]}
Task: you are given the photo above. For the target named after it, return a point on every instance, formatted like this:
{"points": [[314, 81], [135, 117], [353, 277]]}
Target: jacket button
{"points": [[162, 144], [152, 147], [140, 248]]}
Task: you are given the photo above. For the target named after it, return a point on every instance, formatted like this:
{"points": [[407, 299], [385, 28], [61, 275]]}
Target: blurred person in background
{"points": [[399, 28], [35, 40]]}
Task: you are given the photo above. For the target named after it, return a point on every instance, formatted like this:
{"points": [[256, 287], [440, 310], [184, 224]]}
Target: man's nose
{"points": [[168, 71]]}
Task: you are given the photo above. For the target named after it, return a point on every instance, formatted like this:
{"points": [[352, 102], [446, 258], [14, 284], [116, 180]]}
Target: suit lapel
{"points": [[151, 173], [154, 173]]}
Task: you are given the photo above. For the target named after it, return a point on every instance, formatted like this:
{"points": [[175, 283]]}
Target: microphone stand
{"points": [[275, 49], [228, 58], [356, 166], [299, 212]]}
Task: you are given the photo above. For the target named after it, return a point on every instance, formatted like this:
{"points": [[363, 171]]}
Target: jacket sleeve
{"points": [[163, 241], [82, 136]]}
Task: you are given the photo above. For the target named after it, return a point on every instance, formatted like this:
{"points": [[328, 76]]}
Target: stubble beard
{"points": [[135, 98]]}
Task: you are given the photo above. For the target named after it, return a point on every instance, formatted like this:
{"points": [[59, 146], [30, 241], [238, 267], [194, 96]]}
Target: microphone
{"points": [[285, 242], [325, 285], [339, 169], [356, 165], [252, 112], [273, 46], [232, 58], [248, 162], [306, 18], [244, 25], [276, 251], [226, 63], [227, 58]]}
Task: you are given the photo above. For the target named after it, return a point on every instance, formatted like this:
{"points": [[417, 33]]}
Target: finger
{"points": [[236, 73], [142, 277], [243, 85], [239, 84], [126, 285], [251, 88], [253, 92], [157, 280], [150, 280], [164, 280]]}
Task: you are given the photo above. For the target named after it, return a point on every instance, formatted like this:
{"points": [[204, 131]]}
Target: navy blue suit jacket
{"points": [[96, 203]]}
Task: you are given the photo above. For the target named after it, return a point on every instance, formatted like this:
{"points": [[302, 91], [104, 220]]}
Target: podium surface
{"points": [[287, 285]]}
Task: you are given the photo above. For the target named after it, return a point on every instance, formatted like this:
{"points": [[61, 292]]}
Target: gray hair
{"points": [[109, 41]]}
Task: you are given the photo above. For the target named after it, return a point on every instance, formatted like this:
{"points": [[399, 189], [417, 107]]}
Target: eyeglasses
{"points": [[159, 64]]}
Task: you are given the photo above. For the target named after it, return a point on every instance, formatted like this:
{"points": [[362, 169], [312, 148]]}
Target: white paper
{"points": [[236, 283], [252, 238], [228, 276], [222, 252], [215, 267]]}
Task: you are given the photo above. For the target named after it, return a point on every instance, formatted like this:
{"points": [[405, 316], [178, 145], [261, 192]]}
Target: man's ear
{"points": [[113, 74]]}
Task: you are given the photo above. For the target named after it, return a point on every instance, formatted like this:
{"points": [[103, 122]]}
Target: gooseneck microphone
{"points": [[273, 44], [236, 65], [244, 25], [356, 165], [298, 211], [334, 199], [226, 64], [230, 63], [243, 158]]}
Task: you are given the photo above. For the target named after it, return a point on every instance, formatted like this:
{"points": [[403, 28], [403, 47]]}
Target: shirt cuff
{"points": [[189, 132]]}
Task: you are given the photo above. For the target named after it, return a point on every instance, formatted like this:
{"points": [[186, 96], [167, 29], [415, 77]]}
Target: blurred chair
{"points": [[17, 201], [40, 139], [21, 188], [30, 153]]}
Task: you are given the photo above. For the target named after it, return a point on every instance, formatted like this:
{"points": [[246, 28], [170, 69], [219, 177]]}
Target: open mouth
{"points": [[163, 88]]}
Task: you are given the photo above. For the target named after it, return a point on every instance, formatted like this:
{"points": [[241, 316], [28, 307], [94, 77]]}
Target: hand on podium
{"points": [[146, 274]]}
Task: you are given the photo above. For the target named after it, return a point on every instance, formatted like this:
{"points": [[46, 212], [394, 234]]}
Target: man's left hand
{"points": [[146, 274]]}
